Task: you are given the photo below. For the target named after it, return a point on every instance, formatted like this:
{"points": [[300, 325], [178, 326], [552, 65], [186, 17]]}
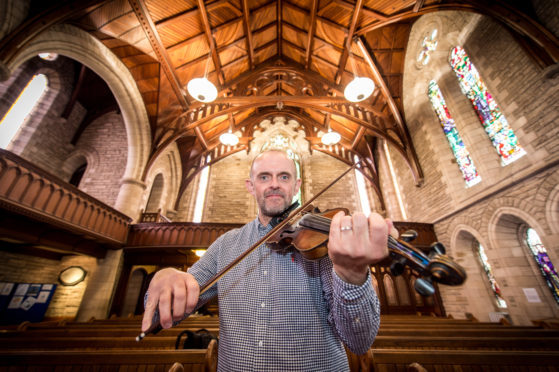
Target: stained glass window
{"points": [[494, 122], [428, 46], [492, 282], [22, 107], [469, 171], [544, 262]]}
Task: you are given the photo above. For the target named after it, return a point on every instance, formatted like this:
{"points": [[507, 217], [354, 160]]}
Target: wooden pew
{"points": [[109, 360], [464, 360]]}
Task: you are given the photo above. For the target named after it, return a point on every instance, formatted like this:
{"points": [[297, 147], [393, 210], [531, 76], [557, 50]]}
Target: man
{"points": [[277, 310]]}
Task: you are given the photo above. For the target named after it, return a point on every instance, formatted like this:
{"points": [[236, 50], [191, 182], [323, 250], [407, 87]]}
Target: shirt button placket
{"points": [[262, 312]]}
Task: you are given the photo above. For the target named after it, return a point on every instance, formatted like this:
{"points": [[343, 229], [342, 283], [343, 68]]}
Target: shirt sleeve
{"points": [[354, 310]]}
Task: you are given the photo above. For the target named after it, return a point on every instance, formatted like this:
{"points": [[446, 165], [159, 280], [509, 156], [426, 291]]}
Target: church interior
{"points": [[128, 129]]}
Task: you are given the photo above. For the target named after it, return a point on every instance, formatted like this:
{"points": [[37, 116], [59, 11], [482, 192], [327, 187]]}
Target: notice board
{"points": [[24, 301]]}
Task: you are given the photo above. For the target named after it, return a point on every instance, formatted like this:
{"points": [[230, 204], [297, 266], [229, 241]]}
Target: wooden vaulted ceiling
{"points": [[270, 57]]}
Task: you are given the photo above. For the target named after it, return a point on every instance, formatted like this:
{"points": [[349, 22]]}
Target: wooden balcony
{"points": [[40, 209]]}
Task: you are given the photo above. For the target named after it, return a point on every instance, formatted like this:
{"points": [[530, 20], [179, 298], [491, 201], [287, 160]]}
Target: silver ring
{"points": [[346, 228]]}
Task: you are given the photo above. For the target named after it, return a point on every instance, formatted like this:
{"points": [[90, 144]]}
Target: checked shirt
{"points": [[281, 312]]}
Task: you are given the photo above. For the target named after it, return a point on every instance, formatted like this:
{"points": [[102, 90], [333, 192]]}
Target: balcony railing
{"points": [[30, 191], [176, 234]]}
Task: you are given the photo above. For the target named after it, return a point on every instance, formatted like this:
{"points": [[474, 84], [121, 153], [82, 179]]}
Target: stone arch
{"points": [[90, 155], [168, 165], [547, 199], [156, 192], [505, 231], [133, 290], [75, 43], [478, 289], [12, 13]]}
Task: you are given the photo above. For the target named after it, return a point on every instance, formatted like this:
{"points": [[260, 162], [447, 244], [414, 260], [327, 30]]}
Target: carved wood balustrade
{"points": [[30, 191]]}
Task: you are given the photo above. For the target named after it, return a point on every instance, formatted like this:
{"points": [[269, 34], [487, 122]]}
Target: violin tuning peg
{"points": [[408, 236], [424, 287], [437, 247]]}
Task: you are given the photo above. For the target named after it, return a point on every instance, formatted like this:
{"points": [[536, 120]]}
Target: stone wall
{"points": [[103, 144], [509, 198]]}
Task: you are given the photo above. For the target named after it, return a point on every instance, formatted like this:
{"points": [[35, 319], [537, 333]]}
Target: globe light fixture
{"points": [[359, 89], [201, 89], [229, 139], [331, 138]]}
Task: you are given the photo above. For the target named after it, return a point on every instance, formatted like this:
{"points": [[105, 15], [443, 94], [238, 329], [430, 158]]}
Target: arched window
{"points": [[362, 189], [494, 122], [281, 142], [428, 46], [22, 107], [467, 167], [544, 262], [77, 176], [201, 195], [489, 273]]}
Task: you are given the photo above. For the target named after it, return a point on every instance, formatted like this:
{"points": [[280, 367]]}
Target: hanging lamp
{"points": [[201, 89], [359, 88], [331, 138], [229, 139]]}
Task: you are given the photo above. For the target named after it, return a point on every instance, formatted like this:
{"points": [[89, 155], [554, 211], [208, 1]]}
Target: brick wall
{"points": [[105, 147]]}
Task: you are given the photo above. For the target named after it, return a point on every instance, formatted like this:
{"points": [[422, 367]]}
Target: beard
{"points": [[272, 208]]}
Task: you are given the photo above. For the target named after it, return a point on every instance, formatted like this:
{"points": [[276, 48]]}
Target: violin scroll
{"points": [[434, 266]]}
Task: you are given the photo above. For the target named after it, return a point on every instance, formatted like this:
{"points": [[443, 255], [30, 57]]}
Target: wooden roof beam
{"points": [[382, 84], [418, 5], [365, 11], [310, 38], [348, 41], [279, 27], [248, 33], [148, 26], [211, 41]]}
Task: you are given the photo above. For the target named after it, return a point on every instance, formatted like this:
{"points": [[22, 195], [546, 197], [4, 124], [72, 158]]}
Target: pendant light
{"points": [[331, 137], [201, 89], [228, 138], [359, 88]]}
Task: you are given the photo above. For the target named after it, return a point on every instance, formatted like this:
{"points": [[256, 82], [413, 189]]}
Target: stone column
{"points": [[129, 199], [98, 295]]}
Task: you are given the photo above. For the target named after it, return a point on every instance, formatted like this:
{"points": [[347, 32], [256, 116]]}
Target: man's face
{"points": [[273, 183]]}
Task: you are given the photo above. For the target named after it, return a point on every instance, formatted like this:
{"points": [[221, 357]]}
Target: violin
{"points": [[309, 236]]}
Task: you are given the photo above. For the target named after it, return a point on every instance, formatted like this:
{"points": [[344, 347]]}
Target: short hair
{"points": [[272, 150]]}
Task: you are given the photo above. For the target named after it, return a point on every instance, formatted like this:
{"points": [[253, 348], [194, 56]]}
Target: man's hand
{"points": [[175, 291], [356, 242]]}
